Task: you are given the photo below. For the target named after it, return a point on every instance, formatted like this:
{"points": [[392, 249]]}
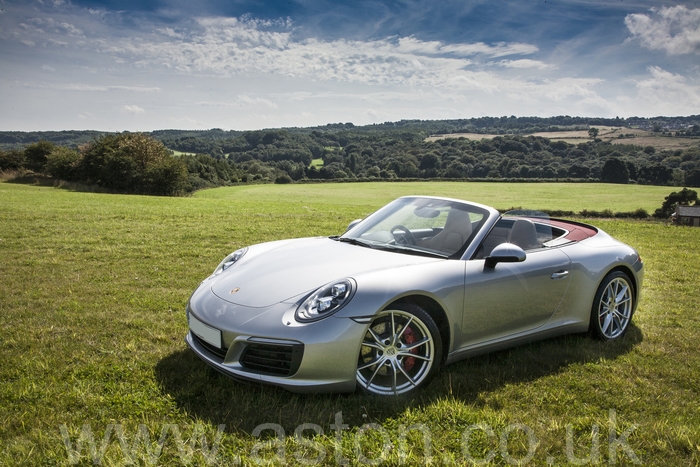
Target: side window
{"points": [[528, 235], [498, 235], [524, 234]]}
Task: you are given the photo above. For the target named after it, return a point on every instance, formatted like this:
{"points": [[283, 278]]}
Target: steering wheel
{"points": [[406, 235]]}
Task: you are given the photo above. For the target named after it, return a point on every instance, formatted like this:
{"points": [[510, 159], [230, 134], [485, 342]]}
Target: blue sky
{"points": [[248, 64]]}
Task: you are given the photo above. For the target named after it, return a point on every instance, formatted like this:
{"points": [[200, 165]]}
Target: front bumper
{"points": [[271, 349]]}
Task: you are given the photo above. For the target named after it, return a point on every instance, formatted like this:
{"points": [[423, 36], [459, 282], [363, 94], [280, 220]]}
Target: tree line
{"points": [[144, 163], [406, 154]]}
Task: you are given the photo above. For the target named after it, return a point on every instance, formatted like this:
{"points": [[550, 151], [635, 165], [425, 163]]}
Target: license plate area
{"points": [[205, 332]]}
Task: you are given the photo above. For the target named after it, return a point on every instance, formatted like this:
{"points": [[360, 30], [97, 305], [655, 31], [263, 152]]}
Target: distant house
{"points": [[687, 215]]}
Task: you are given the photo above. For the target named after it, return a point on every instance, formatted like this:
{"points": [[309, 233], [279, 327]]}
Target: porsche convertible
{"points": [[420, 283]]}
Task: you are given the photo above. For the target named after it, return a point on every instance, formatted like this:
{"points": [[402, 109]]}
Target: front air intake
{"points": [[272, 359]]}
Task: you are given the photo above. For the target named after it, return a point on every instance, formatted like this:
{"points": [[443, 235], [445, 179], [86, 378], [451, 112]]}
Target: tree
{"points": [[614, 171], [36, 153], [654, 174], [12, 160], [283, 179], [133, 163], [685, 196], [692, 177], [62, 163], [579, 171], [429, 161], [593, 133]]}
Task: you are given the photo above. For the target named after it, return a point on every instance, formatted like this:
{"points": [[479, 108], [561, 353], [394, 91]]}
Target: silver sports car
{"points": [[420, 283]]}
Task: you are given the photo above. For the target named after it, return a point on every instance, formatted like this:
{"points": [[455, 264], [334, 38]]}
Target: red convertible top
{"points": [[577, 232]]}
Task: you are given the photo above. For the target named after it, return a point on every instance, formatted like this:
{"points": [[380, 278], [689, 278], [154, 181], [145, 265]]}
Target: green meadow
{"points": [[554, 196], [94, 368]]}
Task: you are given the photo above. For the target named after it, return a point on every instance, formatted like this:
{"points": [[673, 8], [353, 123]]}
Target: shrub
{"points": [[62, 163], [36, 154], [133, 163], [283, 179], [12, 160], [167, 177]]}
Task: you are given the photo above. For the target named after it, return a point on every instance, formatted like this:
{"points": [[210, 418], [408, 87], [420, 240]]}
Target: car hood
{"points": [[275, 272]]}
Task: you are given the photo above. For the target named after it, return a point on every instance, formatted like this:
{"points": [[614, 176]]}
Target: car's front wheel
{"points": [[400, 352], [613, 306]]}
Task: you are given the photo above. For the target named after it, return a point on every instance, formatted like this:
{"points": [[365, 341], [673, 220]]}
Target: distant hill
{"points": [[423, 128]]}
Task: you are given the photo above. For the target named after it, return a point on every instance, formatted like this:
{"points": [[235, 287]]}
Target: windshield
{"points": [[420, 225]]}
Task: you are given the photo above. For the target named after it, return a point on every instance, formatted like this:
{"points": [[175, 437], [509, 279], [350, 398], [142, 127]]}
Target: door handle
{"points": [[560, 274]]}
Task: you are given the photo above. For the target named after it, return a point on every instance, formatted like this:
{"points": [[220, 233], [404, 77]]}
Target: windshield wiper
{"points": [[386, 247], [353, 241], [413, 251]]}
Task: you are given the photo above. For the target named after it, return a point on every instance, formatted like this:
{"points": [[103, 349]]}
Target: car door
{"points": [[513, 298]]}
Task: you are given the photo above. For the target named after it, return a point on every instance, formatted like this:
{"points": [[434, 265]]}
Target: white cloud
{"points": [[675, 30], [248, 73], [525, 63], [666, 93], [234, 47], [499, 50], [134, 109], [80, 87], [256, 101]]}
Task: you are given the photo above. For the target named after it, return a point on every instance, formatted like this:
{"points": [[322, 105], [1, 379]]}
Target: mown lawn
{"points": [[92, 292], [560, 196]]}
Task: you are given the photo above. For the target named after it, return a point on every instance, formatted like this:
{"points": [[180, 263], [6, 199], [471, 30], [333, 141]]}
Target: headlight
{"points": [[326, 300], [229, 261]]}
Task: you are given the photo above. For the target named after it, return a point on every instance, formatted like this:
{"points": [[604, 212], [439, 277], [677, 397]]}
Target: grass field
{"points": [[178, 153], [92, 292], [368, 196]]}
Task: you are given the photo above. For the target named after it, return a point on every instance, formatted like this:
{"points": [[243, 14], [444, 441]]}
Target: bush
{"points": [[593, 213], [62, 163], [283, 179], [12, 160], [636, 214], [133, 163], [167, 177], [36, 155]]}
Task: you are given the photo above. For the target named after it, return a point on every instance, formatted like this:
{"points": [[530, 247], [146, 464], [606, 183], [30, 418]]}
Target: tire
{"points": [[613, 307], [400, 353]]}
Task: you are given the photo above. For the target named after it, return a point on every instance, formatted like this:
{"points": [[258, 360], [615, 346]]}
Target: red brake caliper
{"points": [[409, 338]]}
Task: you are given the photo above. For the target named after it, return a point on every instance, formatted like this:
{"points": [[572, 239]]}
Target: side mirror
{"points": [[505, 253], [353, 224]]}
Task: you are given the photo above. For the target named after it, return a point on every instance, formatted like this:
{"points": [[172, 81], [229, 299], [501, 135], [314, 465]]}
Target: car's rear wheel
{"points": [[400, 353], [613, 306]]}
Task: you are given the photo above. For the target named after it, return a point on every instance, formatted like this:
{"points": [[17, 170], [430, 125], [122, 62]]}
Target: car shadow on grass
{"points": [[204, 394]]}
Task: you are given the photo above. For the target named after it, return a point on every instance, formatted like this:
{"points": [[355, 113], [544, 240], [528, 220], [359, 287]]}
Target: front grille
{"points": [[219, 352], [272, 359]]}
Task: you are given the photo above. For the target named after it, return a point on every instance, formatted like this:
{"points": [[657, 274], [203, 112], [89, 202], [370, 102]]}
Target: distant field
{"points": [[92, 295], [178, 153], [562, 196], [641, 137]]}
